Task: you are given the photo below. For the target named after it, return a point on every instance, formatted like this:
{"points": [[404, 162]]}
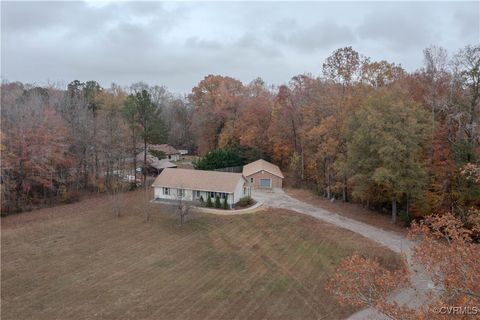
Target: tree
{"points": [[144, 115], [216, 100], [112, 132], [444, 246], [182, 207], [91, 91], [225, 203], [363, 282], [209, 202], [436, 74], [35, 150], [221, 158], [442, 170], [325, 142], [344, 69], [158, 154], [467, 77], [77, 116], [343, 66], [255, 117], [285, 127], [381, 73], [385, 147], [218, 205], [178, 113]]}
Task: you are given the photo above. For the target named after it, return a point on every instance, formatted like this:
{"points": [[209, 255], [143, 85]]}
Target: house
{"points": [[170, 152], [163, 164], [199, 185], [154, 165], [183, 152], [262, 174]]}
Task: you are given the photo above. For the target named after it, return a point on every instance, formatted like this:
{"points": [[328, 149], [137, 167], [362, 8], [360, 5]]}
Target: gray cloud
{"points": [[467, 21], [396, 30], [197, 43], [323, 35], [177, 44]]}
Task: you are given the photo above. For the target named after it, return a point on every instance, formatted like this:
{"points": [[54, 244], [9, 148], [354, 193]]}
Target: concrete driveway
{"points": [[413, 297]]}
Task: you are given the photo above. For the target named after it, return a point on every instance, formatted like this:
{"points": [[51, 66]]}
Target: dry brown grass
{"points": [[81, 262]]}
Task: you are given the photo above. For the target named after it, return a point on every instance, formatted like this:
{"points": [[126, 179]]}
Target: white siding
{"points": [[191, 195], [238, 194], [173, 157], [172, 194]]}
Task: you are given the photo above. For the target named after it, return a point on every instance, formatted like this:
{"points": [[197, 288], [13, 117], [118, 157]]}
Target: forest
{"points": [[357, 130]]}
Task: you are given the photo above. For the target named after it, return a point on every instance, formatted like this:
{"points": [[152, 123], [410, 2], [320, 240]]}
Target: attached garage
{"points": [[262, 174]]}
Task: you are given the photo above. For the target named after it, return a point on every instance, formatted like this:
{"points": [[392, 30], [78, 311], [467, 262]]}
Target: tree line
{"points": [[57, 144], [365, 131], [361, 130]]}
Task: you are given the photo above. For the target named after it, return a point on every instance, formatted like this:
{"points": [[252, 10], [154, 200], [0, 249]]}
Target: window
{"points": [[212, 194], [166, 191], [198, 193], [251, 180], [265, 183], [223, 195], [244, 191], [181, 193]]}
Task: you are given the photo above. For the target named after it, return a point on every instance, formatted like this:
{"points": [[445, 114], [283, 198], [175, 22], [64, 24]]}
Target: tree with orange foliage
{"points": [[284, 130], [255, 117], [442, 171], [381, 73], [216, 100], [445, 247]]}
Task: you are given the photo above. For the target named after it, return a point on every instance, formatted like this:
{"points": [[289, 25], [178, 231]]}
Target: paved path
{"points": [[413, 297]]}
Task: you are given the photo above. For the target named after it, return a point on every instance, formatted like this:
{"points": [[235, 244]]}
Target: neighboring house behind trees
{"points": [[155, 165], [170, 152], [199, 185], [262, 174]]}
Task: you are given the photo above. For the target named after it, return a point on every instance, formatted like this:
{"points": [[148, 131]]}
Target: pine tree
{"points": [[217, 202], [141, 112], [209, 202]]}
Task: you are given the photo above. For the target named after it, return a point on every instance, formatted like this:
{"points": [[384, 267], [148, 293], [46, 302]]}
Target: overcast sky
{"points": [[176, 44]]}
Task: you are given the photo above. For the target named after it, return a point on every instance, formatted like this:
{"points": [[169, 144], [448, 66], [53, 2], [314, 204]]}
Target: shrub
{"points": [[67, 196], [132, 186], [102, 188], [245, 201], [209, 202], [220, 158], [217, 202], [225, 204], [405, 218], [158, 154]]}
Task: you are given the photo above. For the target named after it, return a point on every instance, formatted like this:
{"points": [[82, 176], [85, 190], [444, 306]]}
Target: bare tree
{"points": [[182, 207], [466, 66], [435, 61]]}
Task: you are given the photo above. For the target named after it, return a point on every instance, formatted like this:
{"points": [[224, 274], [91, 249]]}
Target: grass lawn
{"points": [[81, 262]]}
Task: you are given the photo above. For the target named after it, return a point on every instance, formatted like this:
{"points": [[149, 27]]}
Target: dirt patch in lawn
{"points": [[80, 261], [350, 210]]}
